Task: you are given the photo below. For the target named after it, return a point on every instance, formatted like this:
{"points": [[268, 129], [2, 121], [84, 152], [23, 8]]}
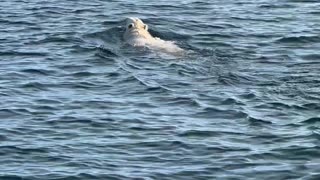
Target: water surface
{"points": [[77, 103]]}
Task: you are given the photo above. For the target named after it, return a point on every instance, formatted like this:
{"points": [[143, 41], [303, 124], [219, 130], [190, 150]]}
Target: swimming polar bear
{"points": [[137, 35]]}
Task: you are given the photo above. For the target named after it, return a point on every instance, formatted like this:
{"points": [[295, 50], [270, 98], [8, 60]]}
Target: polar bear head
{"points": [[135, 28]]}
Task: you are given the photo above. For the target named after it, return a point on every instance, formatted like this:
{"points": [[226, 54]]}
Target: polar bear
{"points": [[137, 34]]}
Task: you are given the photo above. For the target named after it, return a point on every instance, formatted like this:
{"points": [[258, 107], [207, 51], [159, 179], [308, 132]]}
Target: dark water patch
{"points": [[258, 122], [311, 106], [163, 145], [82, 74], [112, 35], [103, 52], [312, 57], [14, 177], [233, 79], [48, 101], [315, 12], [35, 86], [38, 72], [303, 1], [279, 105], [73, 67], [276, 6], [112, 23], [45, 108], [84, 11], [169, 35], [11, 76], [310, 65], [256, 19], [161, 130], [199, 133], [299, 39], [199, 3], [249, 95], [16, 22], [211, 112], [312, 120], [231, 101], [3, 137], [69, 120], [181, 101], [62, 176], [21, 150], [21, 53], [165, 7], [213, 35], [85, 85], [297, 152], [12, 113], [315, 134], [103, 104], [172, 100]]}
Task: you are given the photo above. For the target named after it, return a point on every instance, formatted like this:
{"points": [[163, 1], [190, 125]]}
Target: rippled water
{"points": [[77, 103]]}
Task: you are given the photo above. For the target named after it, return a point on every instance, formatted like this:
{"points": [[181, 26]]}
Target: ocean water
{"points": [[77, 103]]}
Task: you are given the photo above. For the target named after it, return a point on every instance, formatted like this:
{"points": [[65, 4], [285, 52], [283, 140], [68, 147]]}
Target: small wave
{"points": [[22, 23], [35, 86], [145, 129], [299, 39], [21, 150], [9, 113], [211, 112], [16, 177], [48, 101], [169, 35], [311, 106], [63, 176], [104, 52], [233, 78], [38, 71], [82, 74], [199, 133], [231, 101], [276, 6], [54, 39], [108, 37], [256, 121], [163, 144], [312, 120], [21, 53], [44, 108], [312, 57], [69, 120], [177, 101], [303, 1], [315, 12]]}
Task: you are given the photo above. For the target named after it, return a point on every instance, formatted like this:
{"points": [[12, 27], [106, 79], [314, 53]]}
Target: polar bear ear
{"points": [[146, 27]]}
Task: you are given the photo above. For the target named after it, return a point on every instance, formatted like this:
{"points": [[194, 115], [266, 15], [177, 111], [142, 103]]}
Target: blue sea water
{"points": [[77, 103]]}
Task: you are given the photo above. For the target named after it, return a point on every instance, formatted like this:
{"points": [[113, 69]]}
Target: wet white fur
{"points": [[137, 34]]}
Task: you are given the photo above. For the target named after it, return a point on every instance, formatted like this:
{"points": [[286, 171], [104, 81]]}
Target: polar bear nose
{"points": [[130, 26]]}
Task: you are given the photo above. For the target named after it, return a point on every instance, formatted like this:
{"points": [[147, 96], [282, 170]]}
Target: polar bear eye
{"points": [[130, 25]]}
